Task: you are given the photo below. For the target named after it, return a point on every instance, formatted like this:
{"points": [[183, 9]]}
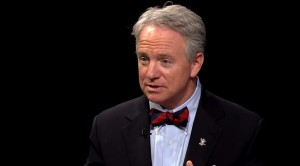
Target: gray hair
{"points": [[179, 19]]}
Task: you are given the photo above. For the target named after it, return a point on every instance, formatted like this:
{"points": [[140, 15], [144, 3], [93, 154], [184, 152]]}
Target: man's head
{"points": [[169, 44]]}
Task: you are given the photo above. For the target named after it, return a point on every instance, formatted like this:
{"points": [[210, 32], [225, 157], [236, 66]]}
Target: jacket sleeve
{"points": [[256, 155], [95, 157]]}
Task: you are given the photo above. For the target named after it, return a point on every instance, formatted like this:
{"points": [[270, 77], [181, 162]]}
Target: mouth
{"points": [[153, 88], [152, 85]]}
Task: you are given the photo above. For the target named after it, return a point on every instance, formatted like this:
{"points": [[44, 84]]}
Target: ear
{"points": [[197, 64]]}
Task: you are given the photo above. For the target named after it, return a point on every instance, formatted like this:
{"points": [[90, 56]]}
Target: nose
{"points": [[153, 71]]}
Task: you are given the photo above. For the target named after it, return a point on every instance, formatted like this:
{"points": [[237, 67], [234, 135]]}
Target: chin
{"points": [[154, 97]]}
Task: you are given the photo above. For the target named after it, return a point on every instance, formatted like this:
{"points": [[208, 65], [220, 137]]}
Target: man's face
{"points": [[165, 75]]}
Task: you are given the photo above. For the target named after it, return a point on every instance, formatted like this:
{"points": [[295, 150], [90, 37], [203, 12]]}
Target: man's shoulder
{"points": [[228, 107], [123, 107]]}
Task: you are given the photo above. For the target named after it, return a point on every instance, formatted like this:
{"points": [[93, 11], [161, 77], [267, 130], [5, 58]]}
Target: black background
{"points": [[78, 58]]}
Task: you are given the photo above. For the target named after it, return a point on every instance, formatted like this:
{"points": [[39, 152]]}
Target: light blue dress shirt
{"points": [[168, 142]]}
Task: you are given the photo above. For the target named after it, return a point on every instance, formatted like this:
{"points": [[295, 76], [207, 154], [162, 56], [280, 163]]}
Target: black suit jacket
{"points": [[231, 132]]}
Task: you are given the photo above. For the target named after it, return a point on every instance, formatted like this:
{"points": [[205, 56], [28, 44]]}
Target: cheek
{"points": [[176, 73], [178, 76], [141, 73], [141, 76], [141, 80]]}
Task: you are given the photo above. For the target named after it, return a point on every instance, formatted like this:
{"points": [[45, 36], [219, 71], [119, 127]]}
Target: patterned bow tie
{"points": [[179, 118]]}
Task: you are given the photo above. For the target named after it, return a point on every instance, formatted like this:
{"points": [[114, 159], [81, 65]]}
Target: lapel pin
{"points": [[202, 142]]}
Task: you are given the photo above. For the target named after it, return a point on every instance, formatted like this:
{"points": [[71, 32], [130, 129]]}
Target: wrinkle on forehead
{"points": [[158, 38]]}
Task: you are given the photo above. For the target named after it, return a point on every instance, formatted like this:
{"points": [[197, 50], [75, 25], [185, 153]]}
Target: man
{"points": [[152, 130]]}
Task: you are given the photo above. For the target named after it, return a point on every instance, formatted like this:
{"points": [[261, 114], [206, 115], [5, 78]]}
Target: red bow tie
{"points": [[179, 118]]}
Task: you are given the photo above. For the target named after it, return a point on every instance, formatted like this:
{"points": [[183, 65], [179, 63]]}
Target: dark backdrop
{"points": [[86, 63]]}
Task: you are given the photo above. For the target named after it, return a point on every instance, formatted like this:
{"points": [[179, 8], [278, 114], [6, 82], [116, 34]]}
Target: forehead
{"points": [[152, 31], [153, 37]]}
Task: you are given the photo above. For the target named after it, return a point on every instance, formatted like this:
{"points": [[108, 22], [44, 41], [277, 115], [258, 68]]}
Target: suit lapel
{"points": [[137, 144], [204, 135]]}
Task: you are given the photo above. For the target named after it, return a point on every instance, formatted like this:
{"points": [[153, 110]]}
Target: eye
{"points": [[166, 62], [143, 60]]}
